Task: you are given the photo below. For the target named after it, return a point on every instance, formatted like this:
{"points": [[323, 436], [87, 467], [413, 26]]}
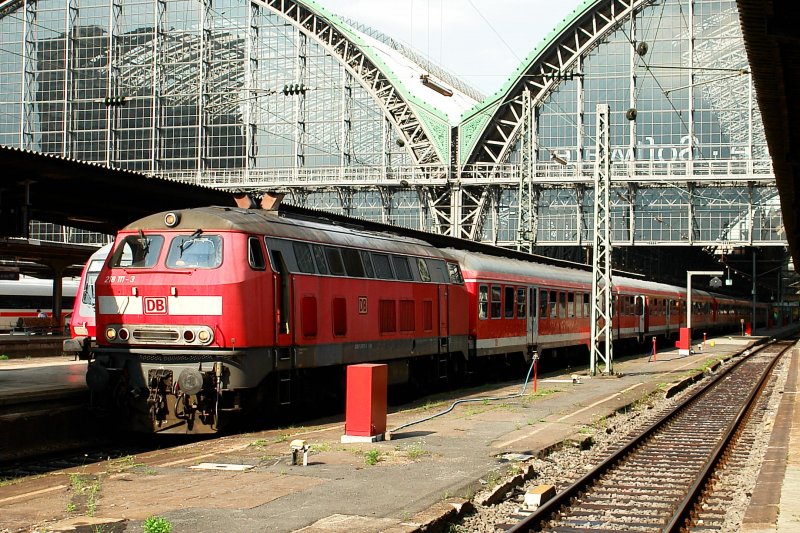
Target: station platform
{"points": [[246, 482]]}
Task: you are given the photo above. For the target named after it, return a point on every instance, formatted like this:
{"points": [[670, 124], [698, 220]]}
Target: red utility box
{"points": [[684, 343], [365, 413]]}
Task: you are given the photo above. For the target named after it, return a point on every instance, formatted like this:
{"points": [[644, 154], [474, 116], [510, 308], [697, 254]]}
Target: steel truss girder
{"points": [[500, 134], [374, 81]]}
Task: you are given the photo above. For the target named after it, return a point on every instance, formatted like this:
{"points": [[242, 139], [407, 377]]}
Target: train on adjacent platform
{"points": [[209, 313], [27, 297]]}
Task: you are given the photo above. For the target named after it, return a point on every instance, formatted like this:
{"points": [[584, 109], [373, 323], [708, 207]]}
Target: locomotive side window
{"points": [[401, 267], [455, 273], [352, 263], [319, 258], [383, 269], [483, 301], [335, 262], [497, 294], [302, 253], [195, 251], [368, 270], [255, 256], [438, 271], [424, 275], [521, 302], [508, 310], [137, 251]]}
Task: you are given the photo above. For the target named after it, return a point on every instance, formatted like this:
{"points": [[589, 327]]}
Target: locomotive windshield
{"points": [[137, 251], [195, 251]]}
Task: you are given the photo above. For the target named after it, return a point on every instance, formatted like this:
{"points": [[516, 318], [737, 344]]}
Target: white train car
{"points": [[26, 296]]}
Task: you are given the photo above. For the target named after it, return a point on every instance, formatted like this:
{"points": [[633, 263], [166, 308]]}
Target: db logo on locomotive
{"points": [[155, 305]]}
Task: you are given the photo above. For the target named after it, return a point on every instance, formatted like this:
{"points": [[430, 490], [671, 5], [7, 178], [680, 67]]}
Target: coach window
{"points": [[455, 274], [352, 263], [497, 295], [570, 304], [586, 310], [508, 310], [521, 302], [255, 256], [424, 275], [302, 253], [195, 251], [319, 258], [483, 301], [543, 304], [553, 304], [368, 270], [334, 257], [562, 305], [383, 268], [137, 251], [401, 267], [578, 304]]}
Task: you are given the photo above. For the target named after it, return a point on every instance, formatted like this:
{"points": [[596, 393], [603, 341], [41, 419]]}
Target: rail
{"points": [[684, 480]]}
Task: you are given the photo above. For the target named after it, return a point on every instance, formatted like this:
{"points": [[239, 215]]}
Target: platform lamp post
{"points": [[685, 342]]}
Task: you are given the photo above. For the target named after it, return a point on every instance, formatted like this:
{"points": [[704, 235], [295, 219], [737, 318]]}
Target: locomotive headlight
{"points": [[111, 334], [123, 334], [172, 219], [204, 336]]}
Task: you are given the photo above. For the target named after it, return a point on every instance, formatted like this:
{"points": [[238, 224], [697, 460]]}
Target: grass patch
{"points": [[157, 524], [372, 457], [85, 489], [4, 357], [260, 443], [320, 447]]}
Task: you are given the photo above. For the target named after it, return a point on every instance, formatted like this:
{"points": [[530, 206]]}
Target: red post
{"points": [[704, 340], [654, 349]]}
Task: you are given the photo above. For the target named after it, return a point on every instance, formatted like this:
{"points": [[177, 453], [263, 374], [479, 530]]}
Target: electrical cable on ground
{"points": [[534, 359]]}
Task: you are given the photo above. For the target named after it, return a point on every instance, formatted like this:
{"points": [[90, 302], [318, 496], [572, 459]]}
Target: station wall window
{"points": [[508, 310], [407, 322], [483, 301], [255, 255], [309, 316], [339, 317], [387, 316], [497, 295]]}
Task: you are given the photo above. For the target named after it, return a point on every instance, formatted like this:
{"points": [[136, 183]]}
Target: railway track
{"points": [[656, 481]]}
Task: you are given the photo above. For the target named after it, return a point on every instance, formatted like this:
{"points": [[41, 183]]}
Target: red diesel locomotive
{"points": [[203, 314]]}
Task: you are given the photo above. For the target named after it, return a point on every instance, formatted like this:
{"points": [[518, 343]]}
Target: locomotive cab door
{"points": [[532, 320], [283, 298]]}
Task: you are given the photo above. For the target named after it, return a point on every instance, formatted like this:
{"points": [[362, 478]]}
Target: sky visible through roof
{"points": [[481, 42]]}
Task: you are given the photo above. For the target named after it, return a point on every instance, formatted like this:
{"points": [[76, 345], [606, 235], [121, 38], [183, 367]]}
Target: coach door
{"points": [[533, 322], [641, 316]]}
